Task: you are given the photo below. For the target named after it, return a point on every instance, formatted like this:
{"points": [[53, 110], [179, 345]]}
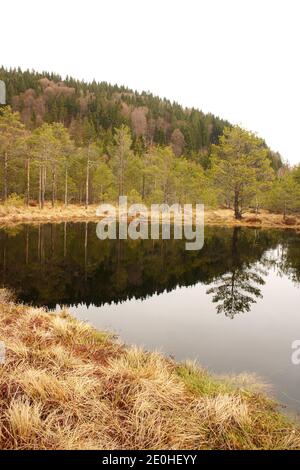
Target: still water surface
{"points": [[233, 306]]}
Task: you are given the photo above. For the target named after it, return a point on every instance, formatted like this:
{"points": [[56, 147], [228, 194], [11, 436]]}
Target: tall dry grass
{"points": [[23, 214], [14, 215], [65, 385]]}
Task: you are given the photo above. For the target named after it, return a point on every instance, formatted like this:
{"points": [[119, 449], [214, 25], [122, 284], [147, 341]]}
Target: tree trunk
{"points": [[53, 187], [284, 210], [43, 187], [237, 212], [40, 187], [87, 183], [66, 187], [28, 182], [256, 206]]}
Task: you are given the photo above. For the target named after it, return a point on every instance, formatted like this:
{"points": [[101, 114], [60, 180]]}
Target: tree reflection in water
{"points": [[235, 292], [238, 289], [66, 264]]}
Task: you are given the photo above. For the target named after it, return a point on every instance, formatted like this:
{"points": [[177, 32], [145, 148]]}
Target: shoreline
{"points": [[74, 213], [66, 385]]}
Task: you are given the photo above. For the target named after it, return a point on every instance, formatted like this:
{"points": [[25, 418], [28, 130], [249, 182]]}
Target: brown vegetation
{"points": [[289, 221], [253, 220], [75, 212], [266, 219]]}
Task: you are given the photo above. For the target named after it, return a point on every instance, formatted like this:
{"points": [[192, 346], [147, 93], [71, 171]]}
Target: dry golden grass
{"points": [[59, 213], [11, 215], [65, 385], [266, 219]]}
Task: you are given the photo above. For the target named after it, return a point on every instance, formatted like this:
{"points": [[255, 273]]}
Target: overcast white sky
{"points": [[238, 59]]}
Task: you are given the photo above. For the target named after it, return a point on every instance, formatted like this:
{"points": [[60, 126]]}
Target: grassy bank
{"points": [[65, 385], [15, 215]]}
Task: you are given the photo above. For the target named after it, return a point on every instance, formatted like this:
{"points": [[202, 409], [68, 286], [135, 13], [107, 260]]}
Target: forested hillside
{"points": [[44, 97], [71, 141]]}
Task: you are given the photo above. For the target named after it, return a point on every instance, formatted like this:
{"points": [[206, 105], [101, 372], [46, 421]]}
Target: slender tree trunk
{"points": [[40, 187], [87, 182], [237, 212], [256, 206], [53, 187], [43, 185], [66, 187], [87, 185], [28, 181]]}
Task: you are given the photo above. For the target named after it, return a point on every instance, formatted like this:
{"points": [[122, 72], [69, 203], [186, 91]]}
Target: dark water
{"points": [[234, 305]]}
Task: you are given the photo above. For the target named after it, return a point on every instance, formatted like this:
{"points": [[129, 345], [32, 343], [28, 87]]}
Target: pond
{"points": [[233, 306]]}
